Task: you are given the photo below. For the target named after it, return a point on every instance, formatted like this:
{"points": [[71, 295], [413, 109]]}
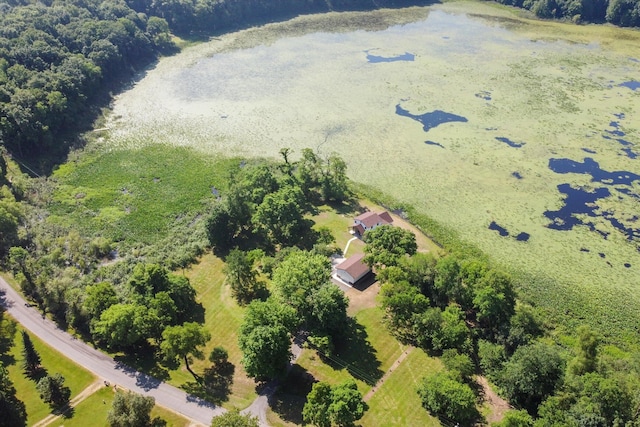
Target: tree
{"points": [[460, 366], [297, 278], [402, 304], [329, 310], [346, 405], [494, 301], [234, 419], [533, 373], [448, 399], [99, 297], [515, 419], [30, 357], [280, 216], [122, 326], [587, 357], [316, 409], [334, 180], [14, 413], [266, 351], [183, 340], [53, 391], [341, 404], [525, 326], [386, 244], [130, 410], [221, 228], [309, 171], [242, 278]]}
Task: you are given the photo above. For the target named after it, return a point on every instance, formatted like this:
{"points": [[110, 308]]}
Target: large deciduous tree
{"points": [[234, 419], [533, 373], [448, 399], [265, 338], [386, 244], [130, 410], [298, 277], [123, 326], [184, 340], [242, 277], [280, 216], [341, 405]]}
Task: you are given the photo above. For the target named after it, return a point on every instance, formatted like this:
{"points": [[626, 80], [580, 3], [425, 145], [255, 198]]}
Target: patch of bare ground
{"points": [[497, 405]]}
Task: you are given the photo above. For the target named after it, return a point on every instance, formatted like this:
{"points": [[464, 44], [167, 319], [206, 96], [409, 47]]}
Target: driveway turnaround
{"points": [[103, 366]]}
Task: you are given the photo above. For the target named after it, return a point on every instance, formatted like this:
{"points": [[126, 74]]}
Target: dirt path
{"points": [[88, 391], [497, 405], [387, 374]]}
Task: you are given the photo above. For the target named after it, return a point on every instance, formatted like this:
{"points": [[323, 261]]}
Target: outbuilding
{"points": [[352, 269]]}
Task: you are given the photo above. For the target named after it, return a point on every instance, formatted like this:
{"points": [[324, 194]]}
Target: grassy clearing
{"points": [[223, 317], [396, 402], [135, 196], [76, 378]]}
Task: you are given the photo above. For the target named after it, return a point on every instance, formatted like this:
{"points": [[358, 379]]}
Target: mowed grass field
{"points": [[76, 378]]}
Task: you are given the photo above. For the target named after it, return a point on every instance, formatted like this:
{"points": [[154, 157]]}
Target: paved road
{"points": [[102, 365]]}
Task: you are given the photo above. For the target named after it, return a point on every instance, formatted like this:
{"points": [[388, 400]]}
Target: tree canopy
{"points": [[328, 405]]}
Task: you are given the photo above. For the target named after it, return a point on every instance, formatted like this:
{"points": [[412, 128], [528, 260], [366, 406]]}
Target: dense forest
{"points": [[625, 13]]}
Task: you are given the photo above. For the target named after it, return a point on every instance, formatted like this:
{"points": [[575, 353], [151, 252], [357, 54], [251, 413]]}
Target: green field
{"points": [[96, 408], [552, 89], [76, 378]]}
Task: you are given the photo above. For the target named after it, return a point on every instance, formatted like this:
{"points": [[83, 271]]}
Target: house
{"points": [[369, 221], [352, 269]]}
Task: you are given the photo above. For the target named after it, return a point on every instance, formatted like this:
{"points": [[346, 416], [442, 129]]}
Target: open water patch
{"points": [[431, 119], [503, 232], [375, 59], [591, 167], [580, 203], [589, 150], [631, 84], [510, 143], [437, 144], [617, 134], [516, 175]]}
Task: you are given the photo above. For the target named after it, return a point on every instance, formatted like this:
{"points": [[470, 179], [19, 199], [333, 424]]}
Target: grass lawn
{"points": [[94, 409], [396, 402], [76, 378], [223, 317]]}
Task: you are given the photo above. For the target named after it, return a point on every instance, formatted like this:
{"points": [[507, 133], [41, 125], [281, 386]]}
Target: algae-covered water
{"points": [[521, 135]]}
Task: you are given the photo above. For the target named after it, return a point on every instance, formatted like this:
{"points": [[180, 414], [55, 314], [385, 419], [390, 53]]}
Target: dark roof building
{"points": [[352, 269]]}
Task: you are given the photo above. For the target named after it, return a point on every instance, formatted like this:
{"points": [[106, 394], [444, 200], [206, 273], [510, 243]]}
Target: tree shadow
{"points": [[288, 401], [215, 384], [196, 313], [347, 207], [354, 352], [142, 362]]}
